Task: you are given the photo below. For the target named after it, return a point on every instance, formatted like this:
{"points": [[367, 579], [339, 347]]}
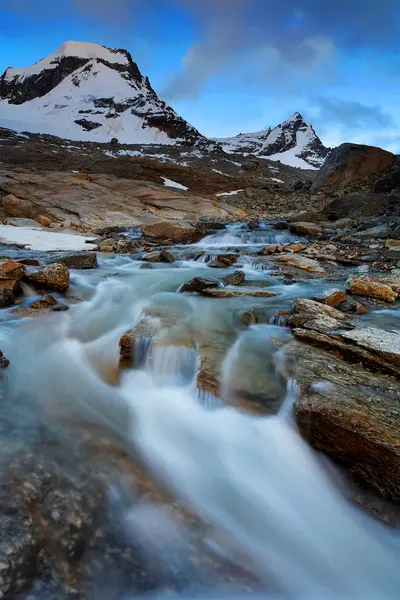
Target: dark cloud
{"points": [[352, 115]]}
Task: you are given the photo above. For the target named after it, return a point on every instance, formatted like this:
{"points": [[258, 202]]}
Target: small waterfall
{"points": [[172, 364], [28, 290]]}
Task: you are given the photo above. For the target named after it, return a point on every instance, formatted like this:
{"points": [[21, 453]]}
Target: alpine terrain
{"points": [[294, 142], [89, 92]]}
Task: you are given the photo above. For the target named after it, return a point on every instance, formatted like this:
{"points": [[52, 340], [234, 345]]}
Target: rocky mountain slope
{"points": [[293, 142], [89, 92]]}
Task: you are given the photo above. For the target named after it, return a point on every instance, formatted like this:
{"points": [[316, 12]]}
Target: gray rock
{"points": [[378, 232], [78, 260]]}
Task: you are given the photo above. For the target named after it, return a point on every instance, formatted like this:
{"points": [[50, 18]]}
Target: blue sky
{"points": [[231, 66]]}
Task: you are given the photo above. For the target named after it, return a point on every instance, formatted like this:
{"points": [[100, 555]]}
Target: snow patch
{"points": [[233, 193], [44, 241], [276, 180], [174, 184]]}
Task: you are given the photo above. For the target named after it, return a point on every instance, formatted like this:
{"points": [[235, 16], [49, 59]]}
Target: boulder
{"points": [[364, 286], [383, 343], [296, 247], [43, 220], [78, 260], [349, 163], [198, 284], [306, 228], [331, 297], [4, 362], [357, 425], [6, 297], [166, 256], [11, 285], [221, 292], [44, 302], [235, 278], [309, 314], [176, 232], [151, 257], [351, 306], [11, 270], [301, 262], [55, 277]]}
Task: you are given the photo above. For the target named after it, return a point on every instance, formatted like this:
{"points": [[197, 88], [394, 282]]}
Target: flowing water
{"points": [[266, 497]]}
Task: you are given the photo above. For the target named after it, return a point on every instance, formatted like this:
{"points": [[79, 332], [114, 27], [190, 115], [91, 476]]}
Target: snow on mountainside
{"points": [[293, 142], [89, 92]]}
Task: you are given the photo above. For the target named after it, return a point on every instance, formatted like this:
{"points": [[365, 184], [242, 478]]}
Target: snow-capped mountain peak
{"points": [[85, 91], [293, 142]]}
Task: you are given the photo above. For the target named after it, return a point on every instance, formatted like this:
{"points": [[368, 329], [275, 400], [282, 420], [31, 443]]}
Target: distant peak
{"points": [[296, 117], [91, 51]]}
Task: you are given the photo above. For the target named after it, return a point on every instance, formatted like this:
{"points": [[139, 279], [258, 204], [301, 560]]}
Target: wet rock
{"points": [[352, 416], [44, 302], [176, 232], [352, 306], [55, 277], [10, 285], [301, 262], [11, 270], [146, 265], [331, 297], [363, 286], [348, 163], [248, 317], [235, 278], [166, 256], [253, 224], [198, 284], [152, 257], [43, 220], [296, 247], [280, 225], [306, 228], [306, 312], [221, 292], [60, 308], [267, 250], [78, 260], [6, 297], [4, 362], [107, 245], [30, 262]]}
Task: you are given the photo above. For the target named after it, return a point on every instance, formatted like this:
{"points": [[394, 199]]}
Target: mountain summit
{"points": [[89, 92], [293, 142]]}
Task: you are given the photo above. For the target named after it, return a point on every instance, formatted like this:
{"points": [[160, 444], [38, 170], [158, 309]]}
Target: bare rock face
{"points": [[306, 228], [349, 163], [373, 289], [176, 232], [55, 277]]}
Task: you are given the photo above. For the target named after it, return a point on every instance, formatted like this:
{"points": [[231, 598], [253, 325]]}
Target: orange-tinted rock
{"points": [[176, 232], [301, 262], [55, 277], [373, 289], [43, 220], [306, 228], [10, 269], [331, 297]]}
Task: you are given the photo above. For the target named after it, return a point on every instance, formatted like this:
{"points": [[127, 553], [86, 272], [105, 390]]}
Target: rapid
{"points": [[271, 505]]}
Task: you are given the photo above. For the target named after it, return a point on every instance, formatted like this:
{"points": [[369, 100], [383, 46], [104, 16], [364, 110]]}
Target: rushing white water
{"points": [[252, 477]]}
